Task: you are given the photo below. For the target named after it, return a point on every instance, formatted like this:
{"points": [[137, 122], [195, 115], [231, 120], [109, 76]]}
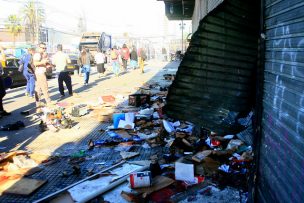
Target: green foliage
{"points": [[33, 15], [13, 24]]}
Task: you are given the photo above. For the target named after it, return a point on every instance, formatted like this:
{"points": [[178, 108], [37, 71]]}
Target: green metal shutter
{"points": [[217, 73], [281, 164]]}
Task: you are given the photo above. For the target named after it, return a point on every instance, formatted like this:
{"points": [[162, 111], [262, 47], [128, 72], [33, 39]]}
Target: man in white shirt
{"points": [[100, 60], [60, 60], [40, 60]]}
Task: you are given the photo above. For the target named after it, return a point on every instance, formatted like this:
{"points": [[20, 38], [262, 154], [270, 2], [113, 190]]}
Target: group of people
{"points": [[35, 63], [136, 58], [116, 57]]}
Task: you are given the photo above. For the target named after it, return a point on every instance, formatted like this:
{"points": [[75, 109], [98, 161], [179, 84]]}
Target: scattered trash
{"points": [[138, 99], [200, 156], [184, 170], [79, 110], [224, 168], [127, 155], [190, 154], [106, 99], [140, 179], [90, 144]]}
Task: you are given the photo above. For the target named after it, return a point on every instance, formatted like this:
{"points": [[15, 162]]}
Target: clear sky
{"points": [[137, 17], [141, 16]]}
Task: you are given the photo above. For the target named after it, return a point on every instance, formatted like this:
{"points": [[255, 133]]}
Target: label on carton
{"points": [[140, 179]]}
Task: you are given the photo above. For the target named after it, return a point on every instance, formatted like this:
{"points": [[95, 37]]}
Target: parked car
{"points": [[74, 63], [11, 73]]}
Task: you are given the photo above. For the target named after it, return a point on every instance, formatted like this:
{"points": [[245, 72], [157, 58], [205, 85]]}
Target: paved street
{"points": [[30, 138]]}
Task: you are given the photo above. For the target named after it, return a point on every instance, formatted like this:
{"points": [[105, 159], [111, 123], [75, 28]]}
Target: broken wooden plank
{"points": [[20, 186]]}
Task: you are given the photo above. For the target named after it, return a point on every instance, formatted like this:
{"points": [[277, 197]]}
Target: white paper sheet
{"points": [[184, 172]]}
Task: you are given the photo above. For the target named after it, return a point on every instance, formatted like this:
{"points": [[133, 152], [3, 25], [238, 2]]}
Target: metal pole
{"points": [[182, 37]]}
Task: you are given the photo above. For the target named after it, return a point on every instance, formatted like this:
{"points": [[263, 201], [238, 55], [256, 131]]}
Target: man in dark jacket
{"points": [[2, 87], [133, 58], [125, 55]]}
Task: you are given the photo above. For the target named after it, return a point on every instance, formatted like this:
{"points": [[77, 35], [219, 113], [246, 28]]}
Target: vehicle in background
{"points": [[11, 73], [94, 41], [74, 63]]}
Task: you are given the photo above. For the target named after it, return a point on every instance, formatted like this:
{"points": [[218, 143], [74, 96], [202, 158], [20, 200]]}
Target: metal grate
{"points": [[53, 172]]}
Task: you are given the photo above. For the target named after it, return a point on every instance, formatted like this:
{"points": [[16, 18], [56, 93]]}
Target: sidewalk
{"points": [[30, 137]]}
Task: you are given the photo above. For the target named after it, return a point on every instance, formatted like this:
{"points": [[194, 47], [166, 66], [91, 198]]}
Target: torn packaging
{"points": [[210, 166], [140, 179], [200, 156], [158, 183]]}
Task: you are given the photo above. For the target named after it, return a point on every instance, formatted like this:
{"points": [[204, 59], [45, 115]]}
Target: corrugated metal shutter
{"points": [[216, 75], [281, 164]]}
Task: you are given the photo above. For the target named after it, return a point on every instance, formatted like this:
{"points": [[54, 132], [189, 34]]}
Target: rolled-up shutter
{"points": [[281, 164]]}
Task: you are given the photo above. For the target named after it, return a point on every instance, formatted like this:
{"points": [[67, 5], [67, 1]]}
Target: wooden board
{"points": [[20, 186], [21, 172], [159, 182]]}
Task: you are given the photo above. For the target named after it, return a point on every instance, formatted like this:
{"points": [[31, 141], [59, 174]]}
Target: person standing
{"points": [[85, 59], [40, 63], [2, 86], [114, 58], [28, 72], [141, 59], [133, 58], [60, 60], [100, 61], [125, 55]]}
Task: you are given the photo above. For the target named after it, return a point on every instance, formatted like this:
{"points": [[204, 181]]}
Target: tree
{"points": [[34, 16], [14, 26]]}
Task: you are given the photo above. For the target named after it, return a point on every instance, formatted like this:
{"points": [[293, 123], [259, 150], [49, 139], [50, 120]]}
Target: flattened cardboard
{"points": [[20, 186]]}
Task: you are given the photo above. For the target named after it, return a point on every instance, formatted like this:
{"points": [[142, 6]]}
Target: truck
{"points": [[94, 41]]}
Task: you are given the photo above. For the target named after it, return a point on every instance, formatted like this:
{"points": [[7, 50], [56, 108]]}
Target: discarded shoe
{"points": [[90, 145]]}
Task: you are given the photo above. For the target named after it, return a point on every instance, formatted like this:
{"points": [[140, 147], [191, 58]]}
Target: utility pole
{"points": [[182, 28], [182, 37]]}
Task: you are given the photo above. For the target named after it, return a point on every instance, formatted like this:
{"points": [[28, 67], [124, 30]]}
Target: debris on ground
{"points": [[192, 158]]}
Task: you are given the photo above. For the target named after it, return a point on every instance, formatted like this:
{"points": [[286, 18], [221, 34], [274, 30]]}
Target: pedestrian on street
{"points": [[85, 60], [100, 61], [2, 87], [40, 62], [28, 72], [125, 55], [133, 58], [60, 60], [114, 58], [141, 58]]}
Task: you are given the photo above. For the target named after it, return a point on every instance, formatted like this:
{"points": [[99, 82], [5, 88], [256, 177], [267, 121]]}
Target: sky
{"points": [[136, 17]]}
